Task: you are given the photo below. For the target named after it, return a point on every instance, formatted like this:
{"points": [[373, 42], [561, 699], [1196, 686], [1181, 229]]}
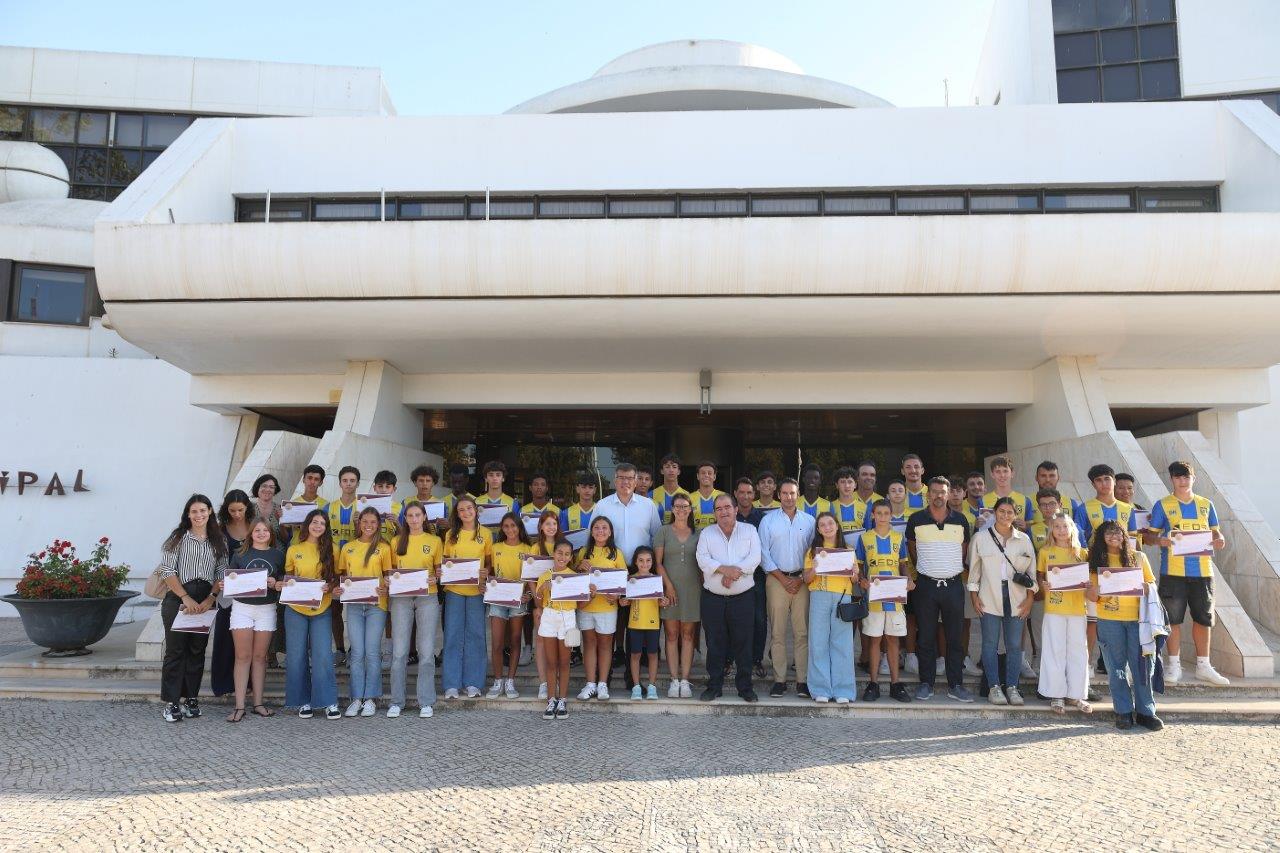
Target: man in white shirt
{"points": [[634, 517], [785, 536], [728, 553]]}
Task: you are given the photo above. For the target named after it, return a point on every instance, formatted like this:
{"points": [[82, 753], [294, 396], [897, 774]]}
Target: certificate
{"points": [[302, 591], [245, 584], [382, 503], [460, 572], [986, 517], [571, 586], [533, 567], [194, 623], [504, 593], [1142, 519], [295, 512], [1192, 543], [609, 581], [840, 562], [1119, 581], [360, 591], [531, 524], [891, 588], [491, 514], [1064, 577], [434, 510], [410, 582], [577, 538], [898, 525], [648, 586]]}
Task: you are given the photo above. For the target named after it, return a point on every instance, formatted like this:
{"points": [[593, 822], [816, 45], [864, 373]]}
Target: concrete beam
{"points": [[1069, 401]]}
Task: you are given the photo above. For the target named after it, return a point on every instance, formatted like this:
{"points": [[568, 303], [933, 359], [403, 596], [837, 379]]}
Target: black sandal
{"points": [[237, 714], [265, 712]]}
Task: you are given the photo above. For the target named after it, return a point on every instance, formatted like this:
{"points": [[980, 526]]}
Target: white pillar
{"points": [[1069, 402], [1221, 427], [372, 404]]}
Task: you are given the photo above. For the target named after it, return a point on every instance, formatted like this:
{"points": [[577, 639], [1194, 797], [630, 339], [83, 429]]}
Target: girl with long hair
{"points": [[506, 624], [464, 640], [369, 556], [417, 547], [310, 680], [598, 618], [830, 638], [253, 620]]}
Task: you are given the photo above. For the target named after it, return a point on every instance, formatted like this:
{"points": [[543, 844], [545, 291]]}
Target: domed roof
{"points": [[31, 171], [699, 74]]}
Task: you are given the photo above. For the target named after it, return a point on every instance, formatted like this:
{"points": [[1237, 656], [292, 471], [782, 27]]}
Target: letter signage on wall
{"points": [[29, 481]]}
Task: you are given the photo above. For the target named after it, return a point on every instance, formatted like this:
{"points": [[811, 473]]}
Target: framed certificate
{"points": [[415, 582], [1065, 577], [434, 510], [460, 572], [305, 592], [1142, 519], [504, 593]]}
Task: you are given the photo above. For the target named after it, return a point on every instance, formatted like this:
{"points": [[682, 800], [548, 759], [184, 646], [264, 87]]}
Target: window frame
{"points": [[92, 306], [1129, 191]]}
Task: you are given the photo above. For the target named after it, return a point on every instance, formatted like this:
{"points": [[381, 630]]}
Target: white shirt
{"points": [[740, 548], [634, 522]]}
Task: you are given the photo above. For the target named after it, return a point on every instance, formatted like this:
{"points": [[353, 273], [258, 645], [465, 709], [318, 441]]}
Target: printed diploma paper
{"points": [[1075, 576], [410, 583], [194, 623], [504, 593]]}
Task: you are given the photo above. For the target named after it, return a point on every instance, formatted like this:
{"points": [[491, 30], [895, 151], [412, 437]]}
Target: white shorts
{"points": [[892, 623], [259, 617], [601, 623], [555, 623]]}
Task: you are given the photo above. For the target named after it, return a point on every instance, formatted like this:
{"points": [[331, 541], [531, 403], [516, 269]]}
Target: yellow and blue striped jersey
{"points": [[852, 517], [1093, 512], [704, 508], [881, 556], [574, 517], [1170, 515], [819, 505], [916, 501], [662, 499], [342, 521], [1021, 503]]}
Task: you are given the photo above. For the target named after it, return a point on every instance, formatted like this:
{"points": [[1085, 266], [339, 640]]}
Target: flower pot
{"points": [[65, 626]]}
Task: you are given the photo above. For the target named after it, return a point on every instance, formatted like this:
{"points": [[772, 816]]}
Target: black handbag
{"points": [[852, 610], [1020, 578]]}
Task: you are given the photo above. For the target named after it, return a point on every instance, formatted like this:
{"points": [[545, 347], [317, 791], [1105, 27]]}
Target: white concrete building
{"points": [[858, 280]]}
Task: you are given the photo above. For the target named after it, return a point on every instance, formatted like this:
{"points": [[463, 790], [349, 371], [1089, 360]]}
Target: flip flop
{"points": [[236, 715], [265, 712]]}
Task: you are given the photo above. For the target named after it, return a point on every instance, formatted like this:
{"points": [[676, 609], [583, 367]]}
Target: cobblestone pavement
{"points": [[12, 637], [114, 776]]}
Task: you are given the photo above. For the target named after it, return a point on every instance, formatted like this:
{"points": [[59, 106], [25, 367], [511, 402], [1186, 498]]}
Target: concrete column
{"points": [[1068, 402], [372, 404], [1221, 428]]}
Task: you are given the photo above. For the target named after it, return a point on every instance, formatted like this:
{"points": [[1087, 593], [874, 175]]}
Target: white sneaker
{"points": [[1028, 671], [393, 712], [673, 690], [940, 666], [912, 663], [588, 692], [1206, 672], [542, 690], [842, 700], [686, 689], [884, 664], [473, 692], [425, 713], [451, 693], [509, 689], [353, 708], [496, 690], [1172, 671], [369, 708], [602, 692], [971, 668], [526, 656], [821, 700]]}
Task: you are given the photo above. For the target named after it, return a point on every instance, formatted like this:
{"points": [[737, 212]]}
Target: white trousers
{"points": [[1064, 657]]}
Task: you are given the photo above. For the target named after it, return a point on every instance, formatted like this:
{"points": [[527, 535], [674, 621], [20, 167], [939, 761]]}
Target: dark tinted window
{"points": [[50, 296], [53, 125], [1158, 42], [1074, 15], [125, 166], [1115, 13], [1076, 49], [1079, 87], [13, 122], [1160, 80], [1119, 45], [1120, 83], [91, 166], [129, 131], [1154, 11], [442, 209], [163, 130], [93, 128], [1004, 202]]}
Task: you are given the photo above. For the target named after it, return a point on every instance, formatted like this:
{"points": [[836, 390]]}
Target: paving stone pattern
{"points": [[113, 776]]}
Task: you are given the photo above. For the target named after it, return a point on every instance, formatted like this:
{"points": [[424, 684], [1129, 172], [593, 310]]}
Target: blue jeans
{"points": [[464, 661], [1125, 663], [365, 626], [830, 648], [406, 612], [992, 629], [309, 678]]}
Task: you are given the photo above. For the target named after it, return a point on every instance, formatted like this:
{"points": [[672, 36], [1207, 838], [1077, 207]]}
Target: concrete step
{"points": [[1185, 707], [1273, 642]]}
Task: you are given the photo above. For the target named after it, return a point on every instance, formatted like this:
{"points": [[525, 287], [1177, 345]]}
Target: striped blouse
{"points": [[193, 559]]}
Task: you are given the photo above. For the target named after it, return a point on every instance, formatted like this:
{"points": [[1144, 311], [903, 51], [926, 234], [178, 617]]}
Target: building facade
{"points": [[702, 249]]}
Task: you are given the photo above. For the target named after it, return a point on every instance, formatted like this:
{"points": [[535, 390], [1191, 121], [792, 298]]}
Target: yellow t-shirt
{"points": [[827, 583], [1124, 608], [599, 558], [303, 560], [422, 551], [507, 560], [298, 534], [704, 508], [916, 501], [1067, 602], [543, 594], [644, 615], [662, 499], [351, 562], [471, 545], [342, 521]]}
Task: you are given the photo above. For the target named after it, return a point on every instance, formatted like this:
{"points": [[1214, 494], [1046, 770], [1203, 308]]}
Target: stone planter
{"points": [[65, 626]]}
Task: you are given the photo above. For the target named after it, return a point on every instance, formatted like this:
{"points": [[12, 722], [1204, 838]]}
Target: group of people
{"points": [[1045, 576]]}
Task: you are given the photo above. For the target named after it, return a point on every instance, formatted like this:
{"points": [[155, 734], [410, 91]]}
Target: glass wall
{"points": [[1116, 50]]}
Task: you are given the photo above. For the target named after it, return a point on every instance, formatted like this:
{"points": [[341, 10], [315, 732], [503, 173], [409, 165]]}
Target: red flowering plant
{"points": [[56, 572]]}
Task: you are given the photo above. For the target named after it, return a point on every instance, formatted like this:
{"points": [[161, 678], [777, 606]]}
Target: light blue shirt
{"points": [[634, 522], [784, 541]]}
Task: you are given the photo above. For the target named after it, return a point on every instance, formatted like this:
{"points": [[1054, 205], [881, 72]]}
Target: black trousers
{"points": [[945, 598], [222, 663], [183, 666], [729, 622]]}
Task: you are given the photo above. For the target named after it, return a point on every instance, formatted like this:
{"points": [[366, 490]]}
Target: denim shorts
{"points": [[602, 623], [503, 612]]}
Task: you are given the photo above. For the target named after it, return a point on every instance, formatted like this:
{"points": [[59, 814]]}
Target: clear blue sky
{"points": [[484, 57]]}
